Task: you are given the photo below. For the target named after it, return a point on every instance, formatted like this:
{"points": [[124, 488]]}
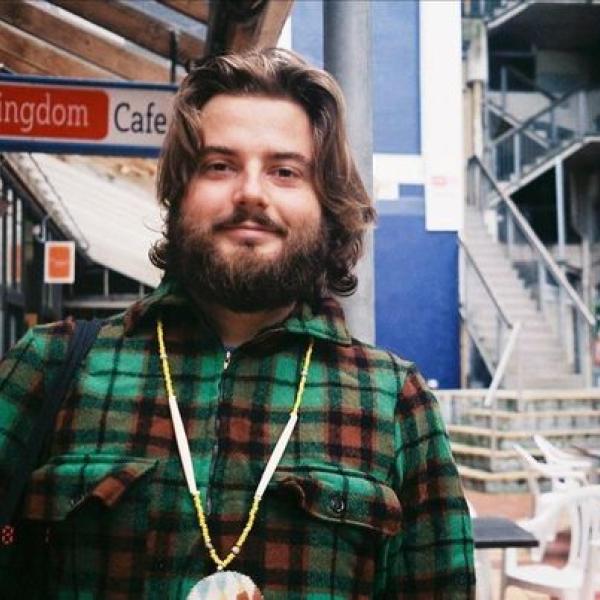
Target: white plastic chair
{"points": [[483, 568], [563, 479], [592, 573], [577, 577], [557, 456]]}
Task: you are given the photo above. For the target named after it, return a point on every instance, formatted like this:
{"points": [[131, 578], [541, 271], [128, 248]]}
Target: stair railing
{"points": [[566, 120], [482, 9], [477, 297], [497, 346], [568, 316], [509, 73]]}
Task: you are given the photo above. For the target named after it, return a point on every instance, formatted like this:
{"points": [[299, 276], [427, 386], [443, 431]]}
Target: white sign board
{"points": [[62, 115]]}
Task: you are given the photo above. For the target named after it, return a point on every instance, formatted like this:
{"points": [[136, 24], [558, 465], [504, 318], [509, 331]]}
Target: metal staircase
{"points": [[493, 10], [509, 277], [539, 360], [523, 153]]}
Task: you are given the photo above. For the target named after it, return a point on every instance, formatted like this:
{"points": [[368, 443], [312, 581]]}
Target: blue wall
{"points": [[395, 25], [396, 111], [307, 30], [416, 287]]}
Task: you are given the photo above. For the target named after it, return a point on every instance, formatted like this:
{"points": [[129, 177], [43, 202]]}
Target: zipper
{"points": [[226, 361], [215, 448]]}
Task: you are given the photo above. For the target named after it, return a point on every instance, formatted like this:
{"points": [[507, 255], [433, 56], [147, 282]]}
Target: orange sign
{"points": [[53, 112], [59, 262]]}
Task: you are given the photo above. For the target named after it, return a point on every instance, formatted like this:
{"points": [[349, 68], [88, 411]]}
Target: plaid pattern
{"points": [[366, 501]]}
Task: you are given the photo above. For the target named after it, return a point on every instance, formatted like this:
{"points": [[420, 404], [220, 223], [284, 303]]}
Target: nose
{"points": [[251, 188]]}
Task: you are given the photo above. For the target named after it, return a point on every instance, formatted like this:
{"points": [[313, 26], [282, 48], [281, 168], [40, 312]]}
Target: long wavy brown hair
{"points": [[275, 73]]}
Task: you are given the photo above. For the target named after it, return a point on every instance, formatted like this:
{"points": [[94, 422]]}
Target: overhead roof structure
{"points": [[143, 40], [107, 205]]}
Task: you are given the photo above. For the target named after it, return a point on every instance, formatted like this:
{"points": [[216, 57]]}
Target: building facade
{"points": [[417, 172]]}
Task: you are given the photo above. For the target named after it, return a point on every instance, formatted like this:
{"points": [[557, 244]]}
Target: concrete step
{"points": [[486, 481], [564, 381], [506, 438]]}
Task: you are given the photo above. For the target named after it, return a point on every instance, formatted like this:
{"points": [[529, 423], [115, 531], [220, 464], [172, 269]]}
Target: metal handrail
{"points": [[536, 86], [485, 284], [532, 134], [484, 8], [537, 245], [487, 361], [537, 115], [491, 105], [502, 364]]}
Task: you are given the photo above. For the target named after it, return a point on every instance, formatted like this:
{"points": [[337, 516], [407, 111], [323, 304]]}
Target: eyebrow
{"points": [[295, 156]]}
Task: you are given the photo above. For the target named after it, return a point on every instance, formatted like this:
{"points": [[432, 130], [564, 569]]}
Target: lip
{"points": [[246, 232], [249, 227]]}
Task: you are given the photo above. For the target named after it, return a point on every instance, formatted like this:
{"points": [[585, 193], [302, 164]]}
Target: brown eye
{"points": [[216, 167], [286, 173]]}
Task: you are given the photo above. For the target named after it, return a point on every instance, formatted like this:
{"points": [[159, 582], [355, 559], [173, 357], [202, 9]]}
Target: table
{"points": [[500, 532], [495, 532]]}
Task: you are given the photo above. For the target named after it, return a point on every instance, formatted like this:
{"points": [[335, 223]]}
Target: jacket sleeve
{"points": [[432, 556], [21, 391], [23, 371]]}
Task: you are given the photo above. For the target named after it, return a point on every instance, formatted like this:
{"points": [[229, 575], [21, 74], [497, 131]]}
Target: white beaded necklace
{"points": [[188, 469]]}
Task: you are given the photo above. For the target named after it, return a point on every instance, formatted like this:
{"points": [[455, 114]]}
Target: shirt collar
{"points": [[325, 320]]}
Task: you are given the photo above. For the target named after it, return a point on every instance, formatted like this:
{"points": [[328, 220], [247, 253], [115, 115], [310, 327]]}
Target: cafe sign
{"points": [[45, 114]]}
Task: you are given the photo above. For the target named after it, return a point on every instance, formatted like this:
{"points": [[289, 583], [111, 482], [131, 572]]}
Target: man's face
{"points": [[250, 219]]}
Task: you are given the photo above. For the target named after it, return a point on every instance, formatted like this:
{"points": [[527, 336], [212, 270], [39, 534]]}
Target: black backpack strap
{"points": [[81, 341]]}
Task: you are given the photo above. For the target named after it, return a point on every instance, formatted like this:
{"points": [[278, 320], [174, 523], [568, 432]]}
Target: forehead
{"points": [[248, 122]]}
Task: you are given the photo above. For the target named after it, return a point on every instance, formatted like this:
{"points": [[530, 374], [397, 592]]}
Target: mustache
{"points": [[244, 214]]}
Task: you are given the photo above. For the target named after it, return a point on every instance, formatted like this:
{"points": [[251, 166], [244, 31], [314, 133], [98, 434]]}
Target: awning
{"points": [[106, 205]]}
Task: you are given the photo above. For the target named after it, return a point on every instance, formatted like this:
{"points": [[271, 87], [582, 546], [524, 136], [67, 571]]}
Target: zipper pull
{"points": [[227, 359]]}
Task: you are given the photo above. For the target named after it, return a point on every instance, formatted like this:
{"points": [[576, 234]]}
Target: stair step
{"points": [[466, 449], [489, 482], [486, 432], [543, 414]]}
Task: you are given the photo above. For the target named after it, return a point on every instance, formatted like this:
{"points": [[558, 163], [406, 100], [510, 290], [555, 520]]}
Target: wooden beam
{"points": [[195, 9], [271, 23], [246, 24], [48, 24], [17, 65], [137, 26], [45, 57]]}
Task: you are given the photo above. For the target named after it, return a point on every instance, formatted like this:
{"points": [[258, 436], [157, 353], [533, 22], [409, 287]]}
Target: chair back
{"points": [[583, 507], [531, 467], [550, 451], [554, 454]]}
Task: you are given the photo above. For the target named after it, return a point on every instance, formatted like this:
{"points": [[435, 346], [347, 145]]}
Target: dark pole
{"points": [[347, 46]]}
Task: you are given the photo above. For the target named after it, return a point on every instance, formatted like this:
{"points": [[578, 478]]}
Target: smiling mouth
{"points": [[251, 226]]}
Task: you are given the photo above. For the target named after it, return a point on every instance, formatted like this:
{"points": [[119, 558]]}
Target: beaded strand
{"points": [[186, 459]]}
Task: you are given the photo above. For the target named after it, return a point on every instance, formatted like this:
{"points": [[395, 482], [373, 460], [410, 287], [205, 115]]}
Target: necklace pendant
{"points": [[225, 585]]}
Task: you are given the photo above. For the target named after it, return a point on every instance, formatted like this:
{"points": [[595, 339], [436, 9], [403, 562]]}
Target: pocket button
{"points": [[337, 504], [75, 500]]}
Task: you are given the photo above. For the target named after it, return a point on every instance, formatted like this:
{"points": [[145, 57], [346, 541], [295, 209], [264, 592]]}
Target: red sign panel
{"points": [[53, 112], [59, 262]]}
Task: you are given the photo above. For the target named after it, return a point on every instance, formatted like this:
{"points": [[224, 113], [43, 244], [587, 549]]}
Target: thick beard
{"points": [[245, 281]]}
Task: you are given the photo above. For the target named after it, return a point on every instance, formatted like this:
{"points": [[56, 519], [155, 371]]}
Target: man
{"points": [[227, 426]]}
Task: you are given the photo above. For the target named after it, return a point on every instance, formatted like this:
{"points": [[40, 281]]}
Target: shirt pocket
{"points": [[93, 510], [343, 497], [68, 484]]}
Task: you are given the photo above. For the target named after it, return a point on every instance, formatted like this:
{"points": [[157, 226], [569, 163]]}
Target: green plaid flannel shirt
{"points": [[366, 502]]}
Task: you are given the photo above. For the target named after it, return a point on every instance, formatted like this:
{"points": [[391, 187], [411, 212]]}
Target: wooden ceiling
{"points": [[141, 40]]}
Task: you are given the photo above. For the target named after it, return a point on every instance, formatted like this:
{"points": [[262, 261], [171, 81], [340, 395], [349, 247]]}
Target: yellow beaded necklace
{"points": [[186, 459]]}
